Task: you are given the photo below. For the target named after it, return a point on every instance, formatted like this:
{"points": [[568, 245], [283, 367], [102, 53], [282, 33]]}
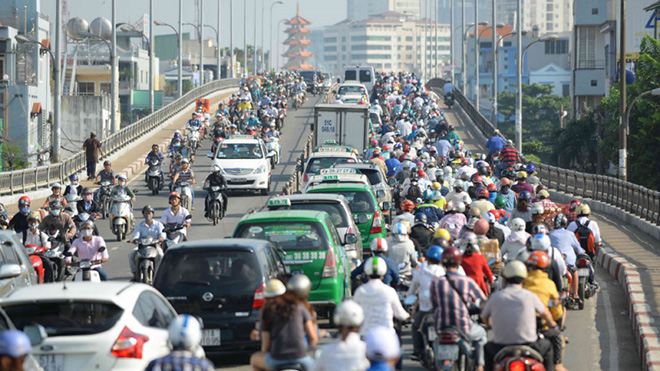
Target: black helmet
{"points": [[55, 205], [147, 208], [560, 221], [107, 163], [421, 218]]}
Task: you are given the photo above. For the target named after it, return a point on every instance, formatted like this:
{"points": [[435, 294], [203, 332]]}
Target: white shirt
{"points": [[37, 239], [343, 355], [421, 284], [180, 217], [380, 304], [592, 225]]}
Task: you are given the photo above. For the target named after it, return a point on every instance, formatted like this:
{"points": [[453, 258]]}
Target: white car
{"points": [[245, 162], [94, 326], [352, 89]]}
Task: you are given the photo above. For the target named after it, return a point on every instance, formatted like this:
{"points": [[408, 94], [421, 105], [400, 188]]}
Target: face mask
{"points": [[148, 217], [86, 232], [55, 212], [88, 198], [74, 183], [33, 226], [25, 210], [121, 183]]}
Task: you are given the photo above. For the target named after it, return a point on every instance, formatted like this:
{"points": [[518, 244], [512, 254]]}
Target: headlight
{"points": [[260, 170]]}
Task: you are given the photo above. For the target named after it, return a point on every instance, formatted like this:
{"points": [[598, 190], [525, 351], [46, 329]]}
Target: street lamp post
{"points": [[277, 57], [469, 25], [151, 56], [217, 38], [519, 76], [58, 82], [496, 50], [178, 44], [231, 39], [270, 26], [451, 41], [201, 42], [245, 71], [219, 31], [478, 50], [494, 72]]}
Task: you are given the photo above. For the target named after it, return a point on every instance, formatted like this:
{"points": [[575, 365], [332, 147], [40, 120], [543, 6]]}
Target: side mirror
{"points": [[209, 155], [362, 218], [350, 238], [36, 334], [380, 193], [386, 206], [9, 271]]}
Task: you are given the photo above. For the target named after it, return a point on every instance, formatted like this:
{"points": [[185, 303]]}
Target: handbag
{"points": [[472, 309]]}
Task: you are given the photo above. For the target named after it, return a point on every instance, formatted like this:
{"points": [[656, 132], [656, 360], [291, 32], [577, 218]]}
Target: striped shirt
{"points": [[449, 308], [185, 175], [180, 360], [509, 155]]}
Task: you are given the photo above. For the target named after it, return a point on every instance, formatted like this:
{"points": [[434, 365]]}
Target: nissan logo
{"points": [[207, 296]]}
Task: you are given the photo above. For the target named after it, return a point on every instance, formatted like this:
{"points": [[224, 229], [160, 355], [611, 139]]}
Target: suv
{"points": [[376, 178], [338, 209], [16, 269], [222, 282], [337, 175]]}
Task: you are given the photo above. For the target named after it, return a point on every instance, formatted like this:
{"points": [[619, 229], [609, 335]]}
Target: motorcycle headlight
{"points": [[260, 170]]}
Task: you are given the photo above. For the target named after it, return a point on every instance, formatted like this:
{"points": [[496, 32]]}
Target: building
{"points": [[26, 98], [297, 54], [358, 10], [545, 16], [387, 41]]}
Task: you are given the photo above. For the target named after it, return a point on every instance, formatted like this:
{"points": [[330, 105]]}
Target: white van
{"points": [[364, 75]]}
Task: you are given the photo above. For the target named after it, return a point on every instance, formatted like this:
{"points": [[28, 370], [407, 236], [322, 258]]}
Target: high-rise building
{"points": [[358, 10], [544, 16]]}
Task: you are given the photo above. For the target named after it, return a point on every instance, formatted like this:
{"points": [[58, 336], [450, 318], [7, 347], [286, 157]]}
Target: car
{"points": [[338, 209], [337, 175], [376, 178], [351, 98], [245, 163], [367, 213], [364, 74], [352, 88], [222, 282], [16, 269], [308, 243], [92, 325], [323, 158]]}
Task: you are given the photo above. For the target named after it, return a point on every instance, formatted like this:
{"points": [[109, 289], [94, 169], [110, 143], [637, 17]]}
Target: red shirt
{"points": [[475, 267]]}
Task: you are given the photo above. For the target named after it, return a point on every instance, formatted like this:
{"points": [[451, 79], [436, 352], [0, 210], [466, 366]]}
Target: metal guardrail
{"points": [[633, 198], [295, 181], [21, 181]]}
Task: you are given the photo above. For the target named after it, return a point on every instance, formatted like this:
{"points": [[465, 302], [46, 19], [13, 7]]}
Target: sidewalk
{"points": [[130, 160]]}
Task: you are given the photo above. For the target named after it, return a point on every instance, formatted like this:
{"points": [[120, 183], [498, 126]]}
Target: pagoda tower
{"points": [[297, 42]]}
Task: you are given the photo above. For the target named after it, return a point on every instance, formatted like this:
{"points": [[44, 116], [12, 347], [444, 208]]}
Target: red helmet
{"points": [[481, 227], [421, 173], [482, 193], [406, 148], [505, 182], [374, 143], [539, 259], [476, 178], [573, 205], [452, 256], [24, 201], [376, 153], [407, 205], [174, 194], [492, 187]]}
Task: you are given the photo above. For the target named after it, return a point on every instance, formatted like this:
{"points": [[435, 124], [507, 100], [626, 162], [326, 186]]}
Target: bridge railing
{"points": [[633, 198], [21, 181]]}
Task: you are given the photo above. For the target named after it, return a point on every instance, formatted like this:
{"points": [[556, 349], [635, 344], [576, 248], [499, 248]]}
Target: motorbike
{"points": [[273, 145], [72, 202], [104, 198], [449, 100], [81, 218], [85, 271], [429, 336], [146, 259], [173, 233], [215, 204], [454, 350], [154, 176], [121, 216], [518, 357], [36, 252], [587, 287], [193, 138], [56, 254], [280, 119], [183, 187]]}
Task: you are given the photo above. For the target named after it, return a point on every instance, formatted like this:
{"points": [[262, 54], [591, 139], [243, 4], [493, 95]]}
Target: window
{"points": [[556, 47], [330, 49], [150, 311], [343, 38], [594, 82], [10, 254], [409, 38], [330, 39], [565, 90], [594, 11], [548, 7], [506, 43], [408, 47], [105, 88], [85, 88], [2, 68]]}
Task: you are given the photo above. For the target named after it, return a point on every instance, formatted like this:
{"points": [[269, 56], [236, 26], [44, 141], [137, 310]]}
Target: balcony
{"points": [[590, 64]]}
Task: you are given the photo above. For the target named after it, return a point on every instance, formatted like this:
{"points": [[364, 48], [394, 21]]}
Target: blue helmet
{"points": [[14, 343], [435, 252], [428, 195], [530, 168], [73, 177], [525, 196], [421, 218]]}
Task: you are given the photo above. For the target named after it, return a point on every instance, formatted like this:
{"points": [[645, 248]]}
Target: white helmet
{"points": [[537, 208], [540, 242], [177, 131], [185, 332], [448, 171], [517, 224], [458, 183], [375, 266], [349, 314], [379, 245], [460, 207]]}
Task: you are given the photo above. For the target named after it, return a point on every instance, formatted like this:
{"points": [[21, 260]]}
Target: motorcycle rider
{"points": [[186, 175], [252, 122], [14, 348], [272, 132], [569, 246], [379, 248], [88, 205], [215, 179], [509, 197], [147, 228], [74, 188], [57, 220], [420, 233], [34, 236], [402, 250], [121, 189], [185, 335], [176, 214], [583, 211], [55, 196], [87, 247], [450, 312], [155, 154], [19, 221], [106, 174], [518, 329], [420, 286]]}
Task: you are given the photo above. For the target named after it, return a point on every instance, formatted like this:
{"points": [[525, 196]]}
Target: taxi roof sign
{"points": [[341, 170], [330, 178], [330, 142], [242, 136], [277, 202], [333, 148]]}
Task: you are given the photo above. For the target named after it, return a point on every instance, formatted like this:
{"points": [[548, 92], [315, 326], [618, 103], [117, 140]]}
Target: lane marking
{"points": [[611, 330]]}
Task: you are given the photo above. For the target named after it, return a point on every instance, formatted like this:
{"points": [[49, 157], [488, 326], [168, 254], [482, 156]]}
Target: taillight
{"points": [[448, 338], [330, 265], [258, 301], [128, 344], [517, 366], [305, 178], [583, 263], [376, 224]]}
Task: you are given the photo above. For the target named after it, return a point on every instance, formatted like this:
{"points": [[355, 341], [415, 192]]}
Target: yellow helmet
{"points": [[583, 209], [355, 151], [441, 232], [522, 175], [436, 185]]}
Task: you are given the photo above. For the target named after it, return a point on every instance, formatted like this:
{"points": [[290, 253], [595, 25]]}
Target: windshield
{"points": [[248, 151], [350, 75], [288, 236], [365, 76], [359, 201], [374, 176], [334, 209], [307, 75], [77, 317], [318, 163], [351, 89]]}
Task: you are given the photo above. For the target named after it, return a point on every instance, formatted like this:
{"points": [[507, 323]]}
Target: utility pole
{"points": [[623, 140], [57, 130], [435, 38], [452, 67], [494, 86], [201, 42], [464, 62], [151, 56], [231, 39], [475, 81], [219, 39], [255, 54], [519, 69], [180, 71], [113, 62], [245, 65]]}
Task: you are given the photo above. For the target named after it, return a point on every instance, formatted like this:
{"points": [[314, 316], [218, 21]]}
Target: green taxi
{"points": [[308, 243], [367, 213]]}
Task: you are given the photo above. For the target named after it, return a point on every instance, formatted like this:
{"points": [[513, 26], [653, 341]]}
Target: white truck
{"points": [[343, 124]]}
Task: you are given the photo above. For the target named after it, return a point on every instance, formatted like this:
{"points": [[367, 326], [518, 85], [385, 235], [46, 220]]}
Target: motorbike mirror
{"points": [[102, 249], [391, 182], [209, 154], [350, 238], [36, 334], [380, 193], [386, 206]]}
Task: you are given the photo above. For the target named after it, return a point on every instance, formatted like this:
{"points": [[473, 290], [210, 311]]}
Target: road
{"points": [[600, 337]]}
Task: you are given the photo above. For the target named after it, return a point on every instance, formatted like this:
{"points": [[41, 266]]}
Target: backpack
{"points": [[586, 238], [414, 192]]}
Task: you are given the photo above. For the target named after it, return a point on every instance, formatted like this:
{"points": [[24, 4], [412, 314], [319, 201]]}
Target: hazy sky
{"points": [[319, 12]]}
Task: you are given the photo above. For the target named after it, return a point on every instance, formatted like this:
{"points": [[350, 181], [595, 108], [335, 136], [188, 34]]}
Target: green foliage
{"points": [[577, 144], [12, 156], [186, 86]]}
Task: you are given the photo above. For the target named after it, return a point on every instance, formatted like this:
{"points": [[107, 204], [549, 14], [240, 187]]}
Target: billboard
{"points": [[639, 23]]}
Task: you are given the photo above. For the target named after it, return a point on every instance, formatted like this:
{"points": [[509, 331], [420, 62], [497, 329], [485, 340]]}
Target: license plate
{"points": [[583, 272], [239, 180], [447, 352], [52, 362], [432, 335], [211, 337]]}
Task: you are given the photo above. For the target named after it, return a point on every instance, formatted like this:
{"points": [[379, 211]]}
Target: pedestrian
{"points": [[92, 147]]}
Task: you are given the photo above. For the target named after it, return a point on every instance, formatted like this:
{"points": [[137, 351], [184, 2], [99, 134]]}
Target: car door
{"points": [[150, 314], [7, 284], [15, 254]]}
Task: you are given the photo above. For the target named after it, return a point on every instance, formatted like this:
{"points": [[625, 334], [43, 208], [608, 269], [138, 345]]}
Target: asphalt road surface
{"points": [[600, 335]]}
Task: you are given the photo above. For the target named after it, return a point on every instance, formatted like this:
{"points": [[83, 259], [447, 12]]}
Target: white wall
{"points": [[80, 115]]}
